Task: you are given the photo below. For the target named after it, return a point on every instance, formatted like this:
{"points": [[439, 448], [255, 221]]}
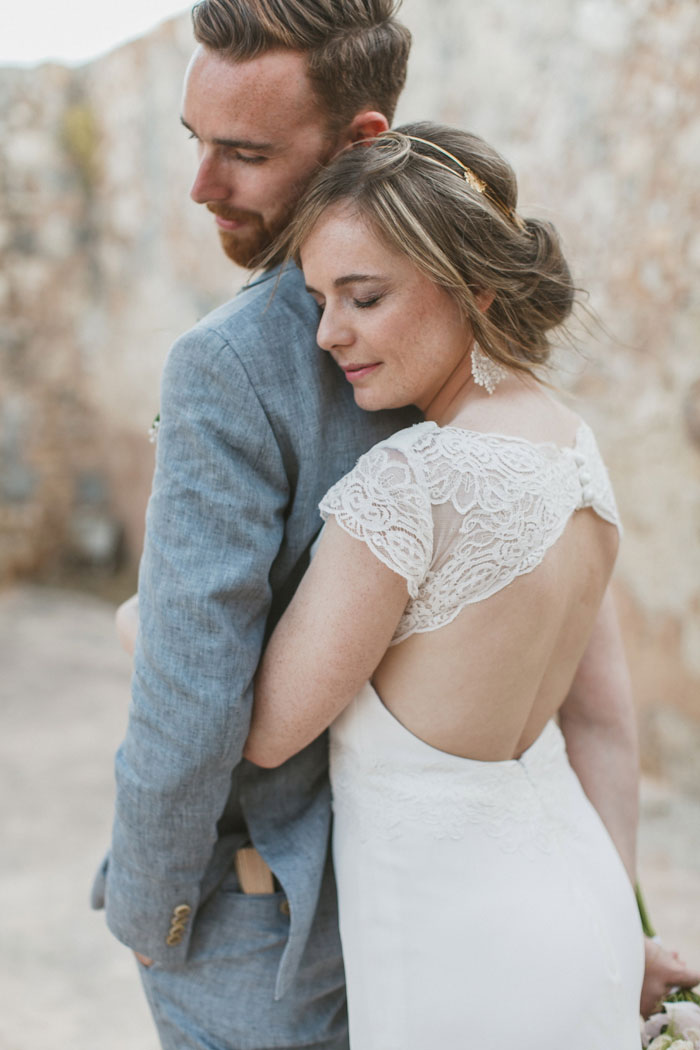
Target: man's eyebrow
{"points": [[234, 143]]}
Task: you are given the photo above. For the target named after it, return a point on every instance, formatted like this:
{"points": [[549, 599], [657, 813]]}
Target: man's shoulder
{"points": [[273, 309], [264, 339]]}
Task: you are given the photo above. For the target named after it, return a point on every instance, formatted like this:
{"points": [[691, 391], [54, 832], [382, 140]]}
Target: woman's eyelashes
{"points": [[362, 303]]}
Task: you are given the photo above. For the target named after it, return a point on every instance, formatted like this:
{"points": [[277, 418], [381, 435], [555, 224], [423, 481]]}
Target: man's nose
{"points": [[209, 184], [333, 331]]}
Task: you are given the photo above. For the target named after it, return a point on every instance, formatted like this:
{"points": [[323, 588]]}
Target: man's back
{"points": [[255, 427], [256, 423]]}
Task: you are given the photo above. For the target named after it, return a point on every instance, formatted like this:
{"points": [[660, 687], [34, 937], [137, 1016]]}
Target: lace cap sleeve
{"points": [[384, 503]]}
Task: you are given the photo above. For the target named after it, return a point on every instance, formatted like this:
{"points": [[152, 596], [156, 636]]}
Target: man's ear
{"points": [[366, 125]]}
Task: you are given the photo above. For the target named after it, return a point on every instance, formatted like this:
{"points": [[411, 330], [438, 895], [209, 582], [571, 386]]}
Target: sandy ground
{"points": [[65, 983]]}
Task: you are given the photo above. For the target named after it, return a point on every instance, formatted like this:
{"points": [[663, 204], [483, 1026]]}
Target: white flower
{"points": [[668, 1042], [662, 1042], [684, 1019], [683, 1031], [652, 1027]]}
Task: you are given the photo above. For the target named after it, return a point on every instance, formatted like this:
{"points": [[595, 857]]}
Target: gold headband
{"points": [[470, 177]]}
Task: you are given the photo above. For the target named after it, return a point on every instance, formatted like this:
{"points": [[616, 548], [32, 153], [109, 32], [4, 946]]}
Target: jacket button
{"points": [[174, 938], [182, 911], [284, 907]]}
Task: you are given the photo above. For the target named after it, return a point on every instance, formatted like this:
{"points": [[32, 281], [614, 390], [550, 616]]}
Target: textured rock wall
{"points": [[104, 264], [595, 102]]}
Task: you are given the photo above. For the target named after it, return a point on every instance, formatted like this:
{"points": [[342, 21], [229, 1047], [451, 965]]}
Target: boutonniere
{"points": [[153, 429]]}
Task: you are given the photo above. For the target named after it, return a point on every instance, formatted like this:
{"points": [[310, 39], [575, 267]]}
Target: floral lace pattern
{"points": [[383, 503], [460, 513]]}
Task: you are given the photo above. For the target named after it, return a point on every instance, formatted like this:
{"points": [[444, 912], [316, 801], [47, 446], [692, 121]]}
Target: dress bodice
{"points": [[461, 513]]}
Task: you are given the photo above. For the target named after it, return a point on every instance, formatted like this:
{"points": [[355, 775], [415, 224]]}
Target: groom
{"points": [[218, 876]]}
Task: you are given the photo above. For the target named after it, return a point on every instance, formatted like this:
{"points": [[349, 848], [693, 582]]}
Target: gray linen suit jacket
{"points": [[256, 424]]}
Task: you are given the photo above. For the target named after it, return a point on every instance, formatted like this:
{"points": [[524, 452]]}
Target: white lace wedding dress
{"points": [[482, 904]]}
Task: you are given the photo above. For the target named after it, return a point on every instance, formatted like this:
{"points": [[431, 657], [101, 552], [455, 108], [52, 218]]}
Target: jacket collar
{"points": [[259, 277]]}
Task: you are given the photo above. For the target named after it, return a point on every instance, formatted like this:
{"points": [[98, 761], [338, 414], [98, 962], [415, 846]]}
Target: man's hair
{"points": [[356, 50]]}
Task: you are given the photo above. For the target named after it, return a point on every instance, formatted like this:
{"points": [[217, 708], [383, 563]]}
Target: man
{"points": [[218, 875]]}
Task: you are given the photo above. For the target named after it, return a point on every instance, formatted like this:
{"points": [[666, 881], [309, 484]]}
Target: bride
{"points": [[461, 573]]}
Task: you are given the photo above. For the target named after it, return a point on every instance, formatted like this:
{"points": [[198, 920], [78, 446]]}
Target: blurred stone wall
{"points": [[595, 102], [103, 265]]}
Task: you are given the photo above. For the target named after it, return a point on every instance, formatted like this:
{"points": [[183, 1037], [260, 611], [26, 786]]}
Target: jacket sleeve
{"points": [[214, 527]]}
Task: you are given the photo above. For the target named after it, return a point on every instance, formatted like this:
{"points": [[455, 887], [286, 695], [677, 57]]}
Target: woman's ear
{"points": [[484, 299]]}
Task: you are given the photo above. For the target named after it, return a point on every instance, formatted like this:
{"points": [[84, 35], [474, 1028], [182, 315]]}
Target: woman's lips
{"points": [[353, 372]]}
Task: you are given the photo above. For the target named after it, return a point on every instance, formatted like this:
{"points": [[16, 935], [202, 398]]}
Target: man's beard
{"points": [[248, 245]]}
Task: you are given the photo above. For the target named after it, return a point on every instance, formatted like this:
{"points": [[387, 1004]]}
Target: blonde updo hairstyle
{"points": [[466, 239]]}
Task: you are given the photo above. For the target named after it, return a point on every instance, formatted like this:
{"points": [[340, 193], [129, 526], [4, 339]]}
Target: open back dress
{"points": [[482, 904]]}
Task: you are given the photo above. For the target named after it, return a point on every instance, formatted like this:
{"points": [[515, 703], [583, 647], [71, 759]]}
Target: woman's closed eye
{"points": [[363, 302]]}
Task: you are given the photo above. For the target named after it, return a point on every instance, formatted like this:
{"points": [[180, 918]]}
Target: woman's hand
{"points": [[127, 621], [663, 970]]}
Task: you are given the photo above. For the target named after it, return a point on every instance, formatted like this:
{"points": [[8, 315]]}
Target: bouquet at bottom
{"points": [[676, 1026]]}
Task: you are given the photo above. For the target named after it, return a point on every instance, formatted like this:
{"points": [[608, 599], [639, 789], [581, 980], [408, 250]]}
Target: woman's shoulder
{"points": [[524, 411], [387, 484], [408, 438], [391, 465], [385, 502], [427, 456]]}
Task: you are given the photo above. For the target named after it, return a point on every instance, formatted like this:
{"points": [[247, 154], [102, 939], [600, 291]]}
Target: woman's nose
{"points": [[333, 331]]}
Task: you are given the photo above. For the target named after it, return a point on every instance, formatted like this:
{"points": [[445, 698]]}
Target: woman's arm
{"points": [[326, 646], [599, 724], [127, 621]]}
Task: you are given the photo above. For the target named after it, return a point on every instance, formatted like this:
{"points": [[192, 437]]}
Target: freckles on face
{"points": [[260, 138], [397, 335]]}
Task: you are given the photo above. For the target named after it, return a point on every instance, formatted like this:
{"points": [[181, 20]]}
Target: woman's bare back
{"points": [[485, 684]]}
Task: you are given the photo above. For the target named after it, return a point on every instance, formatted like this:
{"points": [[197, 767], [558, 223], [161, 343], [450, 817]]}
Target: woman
{"points": [[461, 572]]}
